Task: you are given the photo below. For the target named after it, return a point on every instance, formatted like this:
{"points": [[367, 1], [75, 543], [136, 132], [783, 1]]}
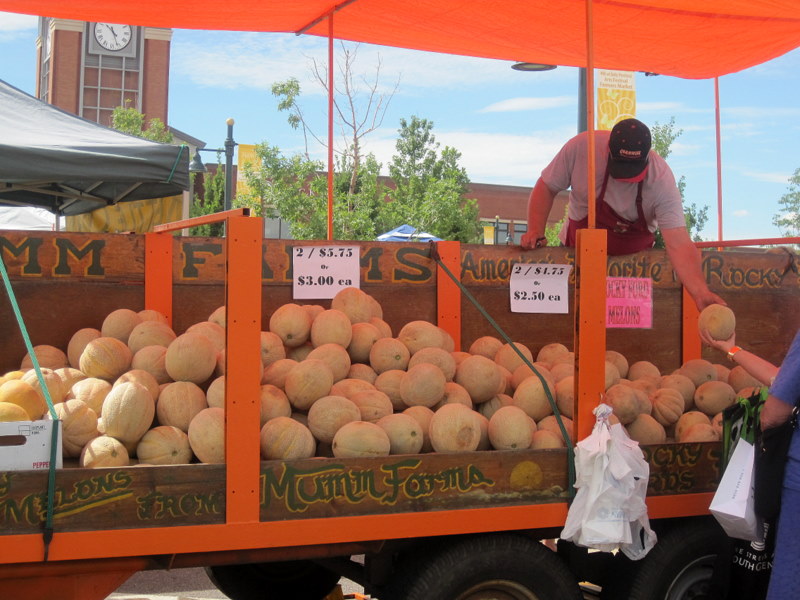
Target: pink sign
{"points": [[629, 302]]}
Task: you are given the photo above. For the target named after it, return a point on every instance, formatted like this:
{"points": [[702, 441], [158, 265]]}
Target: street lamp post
{"points": [[197, 166]]}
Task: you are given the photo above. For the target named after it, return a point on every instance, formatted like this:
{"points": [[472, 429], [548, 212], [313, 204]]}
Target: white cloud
{"points": [[741, 213], [767, 177], [12, 22], [526, 104]]}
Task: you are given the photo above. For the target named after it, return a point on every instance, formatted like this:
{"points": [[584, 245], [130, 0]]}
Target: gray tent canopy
{"points": [[68, 165]]}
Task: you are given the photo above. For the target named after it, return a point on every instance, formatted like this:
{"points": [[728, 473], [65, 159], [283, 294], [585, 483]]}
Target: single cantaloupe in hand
{"points": [[718, 320]]}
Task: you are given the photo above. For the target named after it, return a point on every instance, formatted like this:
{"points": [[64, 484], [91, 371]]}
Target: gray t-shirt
{"points": [[661, 199]]}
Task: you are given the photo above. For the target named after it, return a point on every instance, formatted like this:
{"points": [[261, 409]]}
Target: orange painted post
{"points": [[243, 367], [158, 273], [590, 326], [691, 346], [448, 295]]}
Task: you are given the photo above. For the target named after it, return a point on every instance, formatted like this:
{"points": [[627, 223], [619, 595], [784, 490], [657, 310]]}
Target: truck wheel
{"points": [[496, 566], [680, 566], [298, 580]]}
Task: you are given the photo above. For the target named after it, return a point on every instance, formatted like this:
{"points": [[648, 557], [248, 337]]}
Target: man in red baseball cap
{"points": [[635, 194]]}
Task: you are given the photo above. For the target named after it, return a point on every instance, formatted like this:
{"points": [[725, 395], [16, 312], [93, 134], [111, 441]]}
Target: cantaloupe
{"points": [[349, 386], [69, 377], [404, 432], [643, 368], [105, 358], [713, 397], [562, 371], [78, 426], [423, 416], [207, 435], [335, 356], [308, 381], [53, 383], [150, 314], [127, 412], [277, 371], [313, 310], [25, 396], [486, 345], [453, 392], [483, 424], [454, 428], [284, 438], [78, 342], [299, 353], [422, 385], [92, 391], [420, 334], [329, 414], [214, 332], [141, 377], [119, 324], [699, 432], [681, 383], [191, 357], [487, 409], [218, 316], [331, 327], [179, 403], [360, 439], [532, 397], [718, 320], [510, 429], [699, 371], [362, 371], [362, 338], [356, 304], [382, 326], [274, 403], [291, 323], [619, 361], [47, 356], [612, 376], [104, 451], [389, 353], [722, 372], [565, 396], [688, 420], [480, 377], [739, 379], [373, 405], [150, 333], [668, 406], [623, 401], [272, 348], [164, 445], [435, 356], [153, 360], [507, 356], [646, 430], [550, 351], [389, 383], [12, 412], [543, 439]]}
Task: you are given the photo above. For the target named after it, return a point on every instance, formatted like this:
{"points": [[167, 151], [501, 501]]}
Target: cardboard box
{"points": [[25, 445]]}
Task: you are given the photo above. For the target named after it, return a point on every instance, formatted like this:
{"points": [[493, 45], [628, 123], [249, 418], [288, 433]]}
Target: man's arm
{"points": [[685, 259], [539, 205]]}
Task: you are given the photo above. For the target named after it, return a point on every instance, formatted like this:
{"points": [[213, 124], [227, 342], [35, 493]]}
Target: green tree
{"points": [[213, 201], [129, 120], [788, 217], [696, 217], [430, 187]]}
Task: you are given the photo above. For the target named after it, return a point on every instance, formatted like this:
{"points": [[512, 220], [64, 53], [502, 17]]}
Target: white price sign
{"points": [[322, 271], [539, 288]]}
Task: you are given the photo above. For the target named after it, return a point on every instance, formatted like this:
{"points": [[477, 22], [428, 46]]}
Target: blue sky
{"points": [[506, 124]]}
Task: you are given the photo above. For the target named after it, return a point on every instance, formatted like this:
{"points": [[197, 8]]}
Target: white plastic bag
{"points": [[609, 510], [733, 505]]}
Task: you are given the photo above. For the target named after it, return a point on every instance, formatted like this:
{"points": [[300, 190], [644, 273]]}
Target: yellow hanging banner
{"points": [[246, 154], [616, 97]]}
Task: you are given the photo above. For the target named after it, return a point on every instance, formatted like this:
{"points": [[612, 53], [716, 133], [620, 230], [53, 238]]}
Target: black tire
{"points": [[495, 566], [681, 564], [298, 580]]}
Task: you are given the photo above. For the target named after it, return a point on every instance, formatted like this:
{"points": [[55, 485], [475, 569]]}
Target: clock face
{"points": [[111, 36]]}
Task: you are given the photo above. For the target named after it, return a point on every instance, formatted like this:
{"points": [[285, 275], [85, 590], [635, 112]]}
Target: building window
{"points": [[506, 232]]}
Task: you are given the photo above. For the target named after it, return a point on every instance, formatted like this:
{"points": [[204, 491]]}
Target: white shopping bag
{"points": [[609, 511], [733, 504]]}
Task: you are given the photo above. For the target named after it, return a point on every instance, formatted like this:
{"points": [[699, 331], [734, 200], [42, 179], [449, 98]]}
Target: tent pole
{"points": [[330, 126], [719, 159]]}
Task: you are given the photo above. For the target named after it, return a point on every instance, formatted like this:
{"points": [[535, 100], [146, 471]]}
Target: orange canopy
{"points": [[685, 38]]}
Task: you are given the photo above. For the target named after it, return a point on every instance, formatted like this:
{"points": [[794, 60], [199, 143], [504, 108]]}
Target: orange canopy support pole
{"points": [[719, 159], [243, 367], [158, 273], [691, 346], [448, 295], [592, 193], [590, 326], [330, 126]]}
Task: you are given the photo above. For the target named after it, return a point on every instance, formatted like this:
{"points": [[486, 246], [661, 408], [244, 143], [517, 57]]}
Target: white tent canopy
{"points": [[26, 217]]}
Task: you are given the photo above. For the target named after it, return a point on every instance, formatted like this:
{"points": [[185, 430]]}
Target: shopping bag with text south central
{"points": [[733, 505]]}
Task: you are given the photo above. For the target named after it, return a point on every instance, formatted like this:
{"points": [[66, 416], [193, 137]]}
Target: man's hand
{"points": [[530, 241]]}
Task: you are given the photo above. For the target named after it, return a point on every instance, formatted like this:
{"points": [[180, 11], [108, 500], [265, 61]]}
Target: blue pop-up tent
{"points": [[407, 233]]}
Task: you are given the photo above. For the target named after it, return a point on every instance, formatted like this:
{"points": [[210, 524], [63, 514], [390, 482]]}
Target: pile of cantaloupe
{"points": [[337, 382]]}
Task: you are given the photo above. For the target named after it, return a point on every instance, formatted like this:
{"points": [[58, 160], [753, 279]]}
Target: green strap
{"points": [[177, 160], [570, 449], [47, 534]]}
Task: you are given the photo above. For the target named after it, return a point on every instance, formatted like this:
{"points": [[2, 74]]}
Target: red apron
{"points": [[624, 237]]}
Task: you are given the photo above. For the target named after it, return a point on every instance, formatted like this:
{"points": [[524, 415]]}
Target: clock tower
{"points": [[89, 69]]}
